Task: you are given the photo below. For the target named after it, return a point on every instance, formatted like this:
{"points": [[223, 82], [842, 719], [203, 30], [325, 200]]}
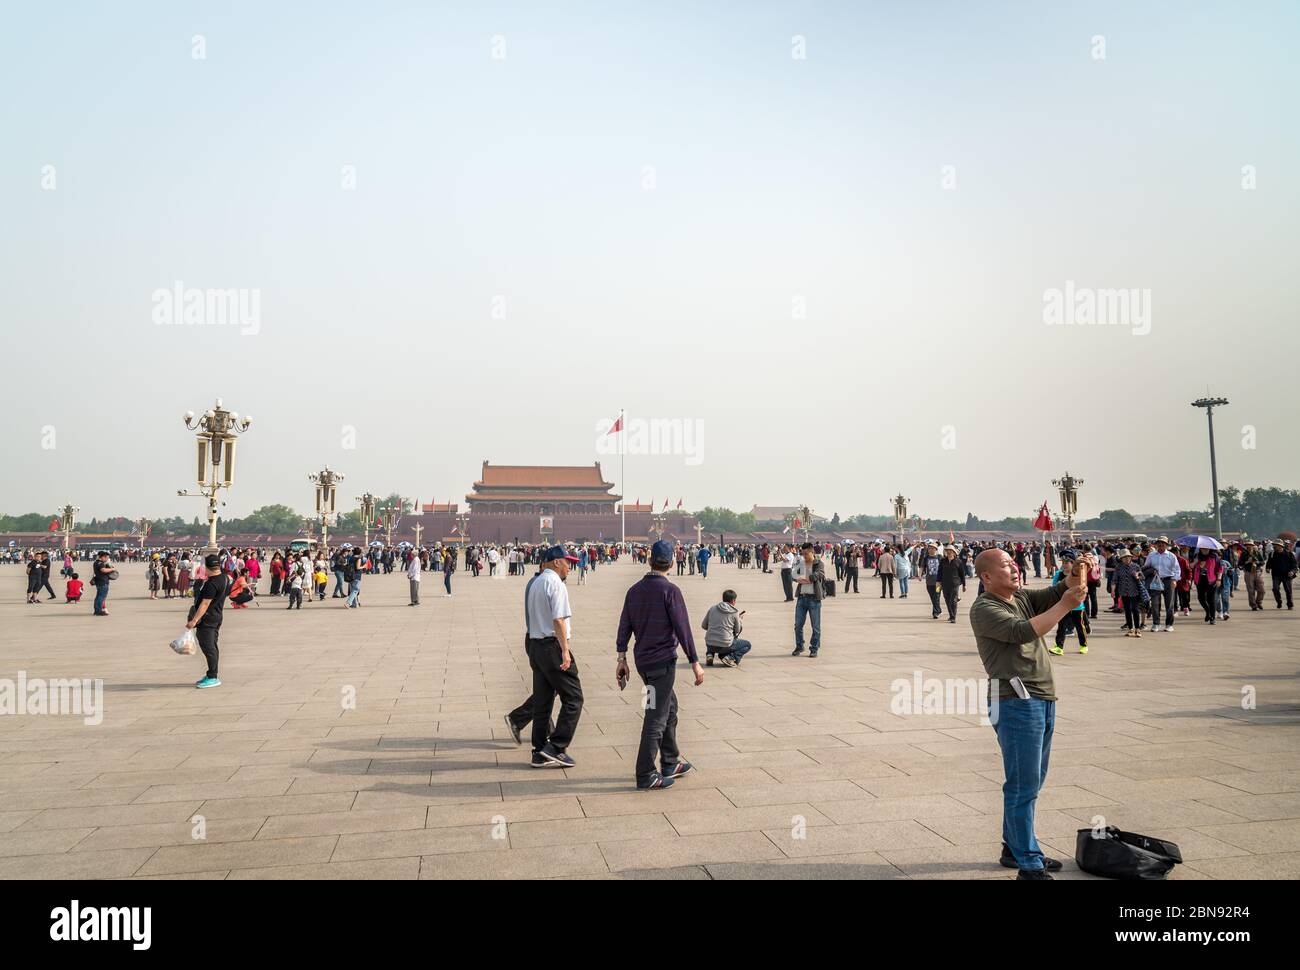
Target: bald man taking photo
{"points": [[1009, 624]]}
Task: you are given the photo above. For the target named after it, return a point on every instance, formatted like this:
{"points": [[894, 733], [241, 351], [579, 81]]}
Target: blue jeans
{"points": [[704, 568], [737, 649], [811, 607], [1225, 591], [446, 581], [1024, 729], [101, 596], [354, 591], [339, 587], [902, 585]]}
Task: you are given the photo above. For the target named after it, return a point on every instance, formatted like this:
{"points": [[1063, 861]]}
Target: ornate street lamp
{"points": [[217, 429], [391, 515], [1210, 403], [142, 526], [900, 513], [367, 502], [1068, 487], [67, 516], [326, 481], [462, 525]]}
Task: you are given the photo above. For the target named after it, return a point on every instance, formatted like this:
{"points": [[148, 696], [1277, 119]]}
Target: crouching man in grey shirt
{"points": [[722, 626]]}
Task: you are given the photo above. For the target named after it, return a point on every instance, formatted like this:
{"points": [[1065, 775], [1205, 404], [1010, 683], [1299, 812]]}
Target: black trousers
{"points": [[548, 681], [1280, 582], [934, 598], [787, 583], [208, 636], [850, 576], [886, 585], [950, 600], [659, 725]]}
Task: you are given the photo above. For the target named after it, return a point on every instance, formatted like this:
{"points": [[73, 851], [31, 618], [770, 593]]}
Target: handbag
{"points": [[1116, 854]]}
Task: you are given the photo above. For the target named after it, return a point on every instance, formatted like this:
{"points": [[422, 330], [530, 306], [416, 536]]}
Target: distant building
{"points": [[778, 513]]}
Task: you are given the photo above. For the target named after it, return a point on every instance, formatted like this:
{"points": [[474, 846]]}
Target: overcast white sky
{"points": [[650, 193]]}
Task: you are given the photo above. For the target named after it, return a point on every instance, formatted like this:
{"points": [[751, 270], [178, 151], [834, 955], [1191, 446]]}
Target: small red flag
{"points": [[617, 426], [1044, 521], [54, 525]]}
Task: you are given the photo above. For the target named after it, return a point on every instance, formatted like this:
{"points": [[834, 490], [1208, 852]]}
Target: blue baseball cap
{"points": [[557, 552], [662, 551]]}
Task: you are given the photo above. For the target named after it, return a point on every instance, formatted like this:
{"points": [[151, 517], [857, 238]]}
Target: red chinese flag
{"points": [[1044, 521], [679, 503], [54, 525], [617, 426]]}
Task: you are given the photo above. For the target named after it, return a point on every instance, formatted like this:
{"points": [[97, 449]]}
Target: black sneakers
{"points": [[656, 781], [679, 769], [797, 651], [1038, 875], [514, 731], [1009, 861], [557, 759]]}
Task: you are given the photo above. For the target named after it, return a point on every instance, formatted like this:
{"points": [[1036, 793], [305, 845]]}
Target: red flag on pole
{"points": [[54, 525], [616, 427], [1044, 521], [665, 508], [679, 503]]}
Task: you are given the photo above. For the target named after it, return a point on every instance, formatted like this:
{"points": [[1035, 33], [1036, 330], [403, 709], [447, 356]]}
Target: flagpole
{"points": [[622, 470]]}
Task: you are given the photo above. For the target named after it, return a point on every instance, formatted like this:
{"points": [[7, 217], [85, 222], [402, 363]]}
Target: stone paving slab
{"points": [[804, 769]]}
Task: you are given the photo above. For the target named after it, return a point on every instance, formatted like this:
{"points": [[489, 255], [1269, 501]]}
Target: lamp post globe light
{"points": [[326, 481], [900, 513], [1210, 403], [67, 517], [367, 502], [391, 514], [144, 527], [462, 525], [216, 430], [1068, 487]]}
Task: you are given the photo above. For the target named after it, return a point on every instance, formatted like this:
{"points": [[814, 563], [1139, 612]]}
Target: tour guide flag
{"points": [[54, 525], [1044, 521]]}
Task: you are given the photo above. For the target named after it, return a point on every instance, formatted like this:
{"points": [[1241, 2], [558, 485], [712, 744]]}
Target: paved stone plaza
{"points": [[420, 779]]}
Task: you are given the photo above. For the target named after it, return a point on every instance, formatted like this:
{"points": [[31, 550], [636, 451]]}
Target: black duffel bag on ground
{"points": [[828, 587], [1124, 855]]}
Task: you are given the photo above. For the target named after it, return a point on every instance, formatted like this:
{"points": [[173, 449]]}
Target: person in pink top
{"points": [[254, 570], [1208, 576]]}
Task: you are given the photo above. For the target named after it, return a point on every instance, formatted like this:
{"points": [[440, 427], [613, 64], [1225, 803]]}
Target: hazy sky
{"points": [[826, 260]]}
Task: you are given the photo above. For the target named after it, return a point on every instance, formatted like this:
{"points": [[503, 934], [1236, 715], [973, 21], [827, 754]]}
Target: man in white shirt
{"points": [[493, 557], [548, 616], [787, 574], [1162, 583], [413, 575]]}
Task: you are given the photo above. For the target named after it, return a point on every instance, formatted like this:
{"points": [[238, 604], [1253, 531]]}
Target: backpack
{"points": [[1124, 855]]}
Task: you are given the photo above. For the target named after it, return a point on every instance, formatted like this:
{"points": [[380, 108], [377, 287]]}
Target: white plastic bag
{"points": [[187, 643]]}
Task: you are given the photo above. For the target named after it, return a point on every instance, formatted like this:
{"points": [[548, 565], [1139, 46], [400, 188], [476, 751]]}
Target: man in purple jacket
{"points": [[655, 613]]}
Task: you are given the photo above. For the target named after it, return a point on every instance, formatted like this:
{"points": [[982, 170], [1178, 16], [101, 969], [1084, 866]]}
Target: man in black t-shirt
{"points": [[45, 574], [205, 617], [100, 578]]}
